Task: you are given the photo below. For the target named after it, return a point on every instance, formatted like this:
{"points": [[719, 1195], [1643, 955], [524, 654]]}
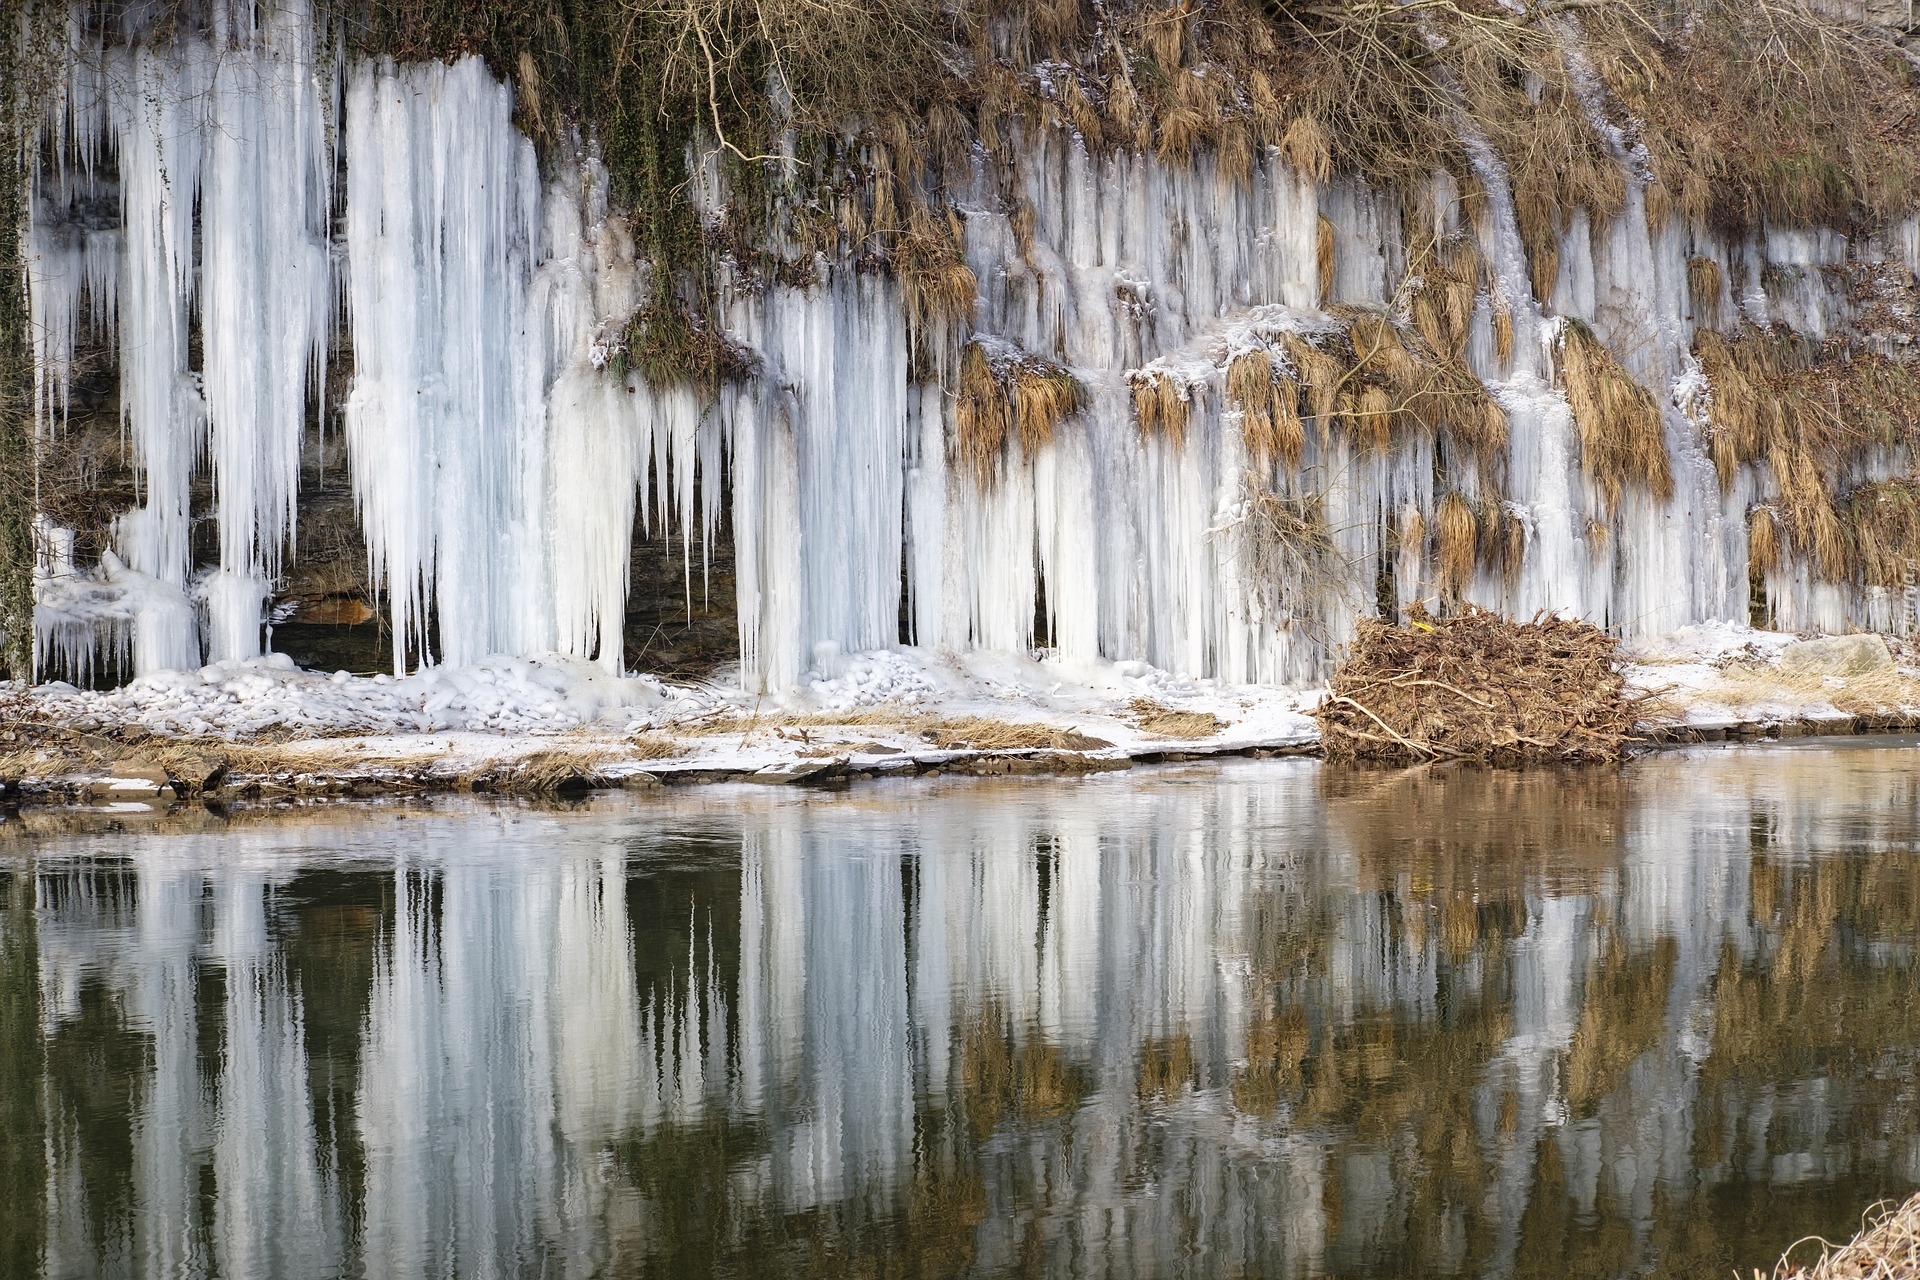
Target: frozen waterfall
{"points": [[215, 207]]}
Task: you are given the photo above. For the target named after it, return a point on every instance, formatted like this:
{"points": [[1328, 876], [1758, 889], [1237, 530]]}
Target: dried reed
{"points": [[1622, 439], [1163, 721], [1006, 394], [1887, 1248]]}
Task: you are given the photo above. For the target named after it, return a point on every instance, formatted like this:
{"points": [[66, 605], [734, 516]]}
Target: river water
{"points": [[1275, 1018]]}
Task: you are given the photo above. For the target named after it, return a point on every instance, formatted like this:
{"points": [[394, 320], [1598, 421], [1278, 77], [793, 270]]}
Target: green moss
{"points": [[16, 382]]}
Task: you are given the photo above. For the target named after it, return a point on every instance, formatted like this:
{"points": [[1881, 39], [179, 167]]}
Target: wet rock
{"points": [[787, 771], [1858, 655], [639, 782], [194, 772]]}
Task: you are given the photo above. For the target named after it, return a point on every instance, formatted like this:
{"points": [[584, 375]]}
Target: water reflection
{"points": [[1281, 1020]]}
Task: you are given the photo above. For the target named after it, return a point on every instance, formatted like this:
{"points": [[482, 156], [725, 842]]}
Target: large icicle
{"points": [[819, 476], [265, 301], [442, 199]]}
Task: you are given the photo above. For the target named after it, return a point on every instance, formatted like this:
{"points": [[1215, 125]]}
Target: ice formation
{"points": [[501, 455]]}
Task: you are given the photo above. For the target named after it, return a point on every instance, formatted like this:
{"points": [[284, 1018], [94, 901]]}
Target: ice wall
{"points": [[501, 450]]}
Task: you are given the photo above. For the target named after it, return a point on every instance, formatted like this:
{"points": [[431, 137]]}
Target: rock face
{"points": [[1896, 15], [1860, 655]]}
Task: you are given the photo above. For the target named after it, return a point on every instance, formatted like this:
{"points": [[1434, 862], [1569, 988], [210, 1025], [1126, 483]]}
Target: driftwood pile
{"points": [[1478, 687]]}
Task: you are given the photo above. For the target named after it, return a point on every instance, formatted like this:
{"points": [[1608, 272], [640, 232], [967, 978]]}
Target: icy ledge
{"points": [[525, 724], [519, 724]]}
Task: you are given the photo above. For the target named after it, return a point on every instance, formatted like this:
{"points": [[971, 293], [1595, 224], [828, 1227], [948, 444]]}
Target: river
{"points": [[1273, 1018]]}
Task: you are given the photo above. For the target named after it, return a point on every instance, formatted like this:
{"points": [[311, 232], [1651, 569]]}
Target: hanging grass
{"points": [[1813, 417], [1622, 439], [1006, 395], [1162, 405], [1269, 403]]}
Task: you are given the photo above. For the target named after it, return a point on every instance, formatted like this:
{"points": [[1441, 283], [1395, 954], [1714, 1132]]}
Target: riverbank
{"points": [[263, 730]]}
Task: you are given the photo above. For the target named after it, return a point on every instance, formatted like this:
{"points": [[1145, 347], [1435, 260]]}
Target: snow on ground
{"points": [[1719, 675], [886, 708], [876, 703]]}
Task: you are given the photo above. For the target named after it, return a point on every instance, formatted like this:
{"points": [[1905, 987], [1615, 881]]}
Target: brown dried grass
{"points": [[1763, 541], [1704, 283], [1004, 396], [982, 733], [1161, 406], [1163, 721], [1742, 687], [1622, 439], [1813, 416], [1502, 332], [1886, 1248], [1379, 380], [1456, 543], [1269, 404], [1324, 247], [1478, 687]]}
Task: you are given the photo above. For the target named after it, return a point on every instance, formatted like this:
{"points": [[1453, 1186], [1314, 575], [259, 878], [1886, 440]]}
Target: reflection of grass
{"points": [[1025, 1076]]}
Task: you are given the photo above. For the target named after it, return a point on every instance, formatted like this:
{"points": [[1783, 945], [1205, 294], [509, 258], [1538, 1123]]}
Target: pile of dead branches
{"points": [[1478, 687]]}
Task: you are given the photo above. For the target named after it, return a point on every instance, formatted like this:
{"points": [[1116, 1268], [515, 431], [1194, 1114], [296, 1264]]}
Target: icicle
{"points": [[441, 204], [265, 301], [819, 476]]}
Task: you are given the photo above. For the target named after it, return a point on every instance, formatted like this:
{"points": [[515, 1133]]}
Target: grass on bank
{"points": [[1886, 1248]]}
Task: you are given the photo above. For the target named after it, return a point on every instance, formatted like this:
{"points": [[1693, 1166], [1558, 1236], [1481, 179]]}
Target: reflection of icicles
{"points": [[683, 1041], [456, 1093], [278, 1213]]}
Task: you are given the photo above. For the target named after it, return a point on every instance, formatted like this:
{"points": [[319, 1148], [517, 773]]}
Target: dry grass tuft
{"points": [[1157, 718], [1478, 687], [1881, 525], [1704, 284], [1763, 541], [654, 746], [1269, 403], [1457, 541], [935, 281], [1161, 405], [1379, 379], [1747, 688], [1004, 395], [1814, 416], [545, 773], [1305, 146], [1622, 439], [1325, 246], [1774, 110], [1887, 1248], [983, 734]]}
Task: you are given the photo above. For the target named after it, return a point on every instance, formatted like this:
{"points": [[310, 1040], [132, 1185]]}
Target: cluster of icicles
{"points": [[499, 461]]}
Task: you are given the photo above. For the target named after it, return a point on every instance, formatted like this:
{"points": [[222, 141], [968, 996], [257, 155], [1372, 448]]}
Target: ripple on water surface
{"points": [[1272, 1019]]}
